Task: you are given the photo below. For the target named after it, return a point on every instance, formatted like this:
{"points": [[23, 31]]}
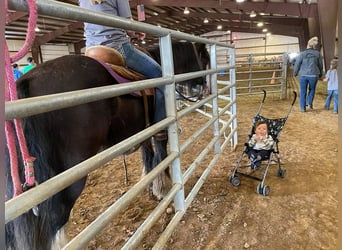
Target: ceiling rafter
{"points": [[56, 33], [281, 8], [281, 17]]}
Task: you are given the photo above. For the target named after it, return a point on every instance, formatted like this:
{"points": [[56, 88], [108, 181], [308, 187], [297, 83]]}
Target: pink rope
{"points": [[12, 150], [10, 95], [32, 21]]}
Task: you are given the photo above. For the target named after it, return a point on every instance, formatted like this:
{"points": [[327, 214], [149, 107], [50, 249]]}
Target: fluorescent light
{"points": [[219, 27], [36, 29], [239, 1], [252, 14], [206, 20], [186, 10], [260, 24]]}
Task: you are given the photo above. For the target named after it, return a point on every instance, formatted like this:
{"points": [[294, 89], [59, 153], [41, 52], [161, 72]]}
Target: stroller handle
{"points": [[294, 97], [263, 99]]}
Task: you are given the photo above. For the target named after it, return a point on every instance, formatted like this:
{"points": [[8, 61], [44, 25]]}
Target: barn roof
{"points": [[285, 17]]}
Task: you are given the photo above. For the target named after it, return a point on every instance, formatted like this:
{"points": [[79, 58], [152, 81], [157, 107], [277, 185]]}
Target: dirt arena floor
{"points": [[299, 213]]}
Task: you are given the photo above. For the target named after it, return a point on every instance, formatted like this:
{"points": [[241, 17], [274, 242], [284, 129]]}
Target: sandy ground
{"points": [[299, 213]]}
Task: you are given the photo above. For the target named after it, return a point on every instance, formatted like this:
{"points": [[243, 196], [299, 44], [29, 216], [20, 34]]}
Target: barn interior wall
{"points": [[245, 43], [48, 51], [52, 51], [14, 46], [250, 43]]}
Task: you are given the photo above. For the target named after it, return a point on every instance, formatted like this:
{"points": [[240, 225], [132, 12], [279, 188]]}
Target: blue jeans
{"points": [[328, 100], [307, 98], [144, 64]]}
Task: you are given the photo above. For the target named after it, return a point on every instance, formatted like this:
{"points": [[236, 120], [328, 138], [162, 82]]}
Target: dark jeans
{"points": [[254, 153], [306, 98], [144, 64]]}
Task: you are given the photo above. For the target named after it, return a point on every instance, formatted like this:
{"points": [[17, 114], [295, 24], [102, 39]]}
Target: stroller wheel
{"points": [[264, 190], [235, 181], [281, 172]]}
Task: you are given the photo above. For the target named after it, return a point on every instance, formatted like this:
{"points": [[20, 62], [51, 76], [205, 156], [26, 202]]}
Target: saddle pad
{"points": [[121, 79]]}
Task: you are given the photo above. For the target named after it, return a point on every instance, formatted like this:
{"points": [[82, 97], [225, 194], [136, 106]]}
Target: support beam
{"points": [[56, 33], [327, 13], [78, 47], [14, 16], [36, 55]]}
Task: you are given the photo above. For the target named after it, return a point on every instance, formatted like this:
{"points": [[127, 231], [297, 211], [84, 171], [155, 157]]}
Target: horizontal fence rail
{"points": [[259, 71]]}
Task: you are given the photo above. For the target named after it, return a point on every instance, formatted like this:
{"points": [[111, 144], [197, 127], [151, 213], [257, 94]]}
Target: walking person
{"points": [[16, 72], [309, 66], [119, 39], [332, 86]]}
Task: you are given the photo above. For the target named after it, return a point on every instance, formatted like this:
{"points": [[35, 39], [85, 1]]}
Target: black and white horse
{"points": [[63, 138]]}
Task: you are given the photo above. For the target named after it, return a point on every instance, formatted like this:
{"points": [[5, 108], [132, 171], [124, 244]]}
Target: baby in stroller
{"points": [[259, 145], [262, 145]]}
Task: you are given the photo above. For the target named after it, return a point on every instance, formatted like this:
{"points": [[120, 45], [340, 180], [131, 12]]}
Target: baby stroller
{"points": [[275, 126]]}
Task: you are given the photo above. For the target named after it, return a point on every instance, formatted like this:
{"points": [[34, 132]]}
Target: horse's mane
{"points": [[185, 49]]}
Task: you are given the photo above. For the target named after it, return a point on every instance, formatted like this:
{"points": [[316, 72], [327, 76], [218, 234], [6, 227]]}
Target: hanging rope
{"points": [[11, 95]]}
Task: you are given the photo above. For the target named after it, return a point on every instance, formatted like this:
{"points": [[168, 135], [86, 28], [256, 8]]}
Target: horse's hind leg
{"points": [[147, 154], [152, 158], [160, 187], [60, 239]]}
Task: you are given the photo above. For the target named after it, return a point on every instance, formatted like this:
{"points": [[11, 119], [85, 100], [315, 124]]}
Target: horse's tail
{"points": [[29, 231], [152, 156]]}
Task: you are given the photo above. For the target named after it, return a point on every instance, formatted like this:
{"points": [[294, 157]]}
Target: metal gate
{"points": [[221, 124]]}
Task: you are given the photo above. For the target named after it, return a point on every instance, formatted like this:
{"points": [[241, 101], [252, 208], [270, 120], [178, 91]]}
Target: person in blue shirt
{"points": [[16, 72], [332, 88], [119, 39], [309, 66]]}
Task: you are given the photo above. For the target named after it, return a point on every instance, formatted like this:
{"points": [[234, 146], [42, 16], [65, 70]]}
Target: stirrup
{"points": [[161, 135]]}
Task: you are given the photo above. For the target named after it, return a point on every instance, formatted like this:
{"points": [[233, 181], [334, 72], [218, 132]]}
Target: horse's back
{"points": [[66, 73]]}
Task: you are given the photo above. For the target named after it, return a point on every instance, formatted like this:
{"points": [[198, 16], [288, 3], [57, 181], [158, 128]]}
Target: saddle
{"points": [[114, 59], [116, 62]]}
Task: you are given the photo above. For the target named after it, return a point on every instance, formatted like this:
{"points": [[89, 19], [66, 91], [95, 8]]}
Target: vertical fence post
{"points": [[250, 70], [284, 77], [213, 77], [232, 75], [166, 56]]}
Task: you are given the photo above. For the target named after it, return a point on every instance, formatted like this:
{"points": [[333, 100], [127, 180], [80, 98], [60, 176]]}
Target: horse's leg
{"points": [[78, 139], [125, 169], [160, 187], [147, 154], [60, 239]]}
